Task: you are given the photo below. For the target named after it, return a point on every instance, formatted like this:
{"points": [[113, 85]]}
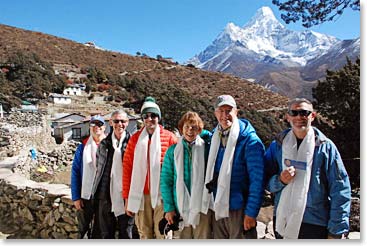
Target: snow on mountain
{"points": [[267, 37]]}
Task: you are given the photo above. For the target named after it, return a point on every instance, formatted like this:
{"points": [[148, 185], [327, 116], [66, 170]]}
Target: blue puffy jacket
{"points": [[77, 172], [328, 198], [247, 186]]}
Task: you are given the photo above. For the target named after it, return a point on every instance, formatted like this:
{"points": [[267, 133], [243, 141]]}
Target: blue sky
{"points": [[171, 28]]}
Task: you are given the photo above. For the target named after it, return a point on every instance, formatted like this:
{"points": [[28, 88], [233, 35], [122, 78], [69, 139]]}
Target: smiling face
{"points": [[225, 115], [190, 126], [119, 123], [300, 117], [97, 129], [190, 131], [150, 122]]}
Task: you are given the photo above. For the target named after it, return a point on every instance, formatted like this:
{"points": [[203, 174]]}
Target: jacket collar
{"points": [[320, 138]]}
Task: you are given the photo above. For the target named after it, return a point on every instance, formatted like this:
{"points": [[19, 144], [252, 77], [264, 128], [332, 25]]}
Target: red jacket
{"points": [[167, 139]]}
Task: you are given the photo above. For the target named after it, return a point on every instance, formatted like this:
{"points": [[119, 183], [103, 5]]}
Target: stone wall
{"points": [[21, 131], [35, 210]]}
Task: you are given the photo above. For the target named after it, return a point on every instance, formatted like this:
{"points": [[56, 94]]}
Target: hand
{"points": [[78, 204], [129, 213], [249, 222], [169, 217], [287, 175]]}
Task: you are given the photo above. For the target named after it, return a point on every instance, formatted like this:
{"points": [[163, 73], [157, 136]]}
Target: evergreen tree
{"points": [[29, 76], [338, 99], [312, 12]]}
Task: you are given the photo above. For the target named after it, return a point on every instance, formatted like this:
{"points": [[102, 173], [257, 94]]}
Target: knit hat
{"points": [[149, 106]]}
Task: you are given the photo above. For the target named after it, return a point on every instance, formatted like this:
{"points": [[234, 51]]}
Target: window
{"points": [[77, 133]]}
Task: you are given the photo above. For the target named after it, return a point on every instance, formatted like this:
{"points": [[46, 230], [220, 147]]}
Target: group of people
{"points": [[208, 184]]}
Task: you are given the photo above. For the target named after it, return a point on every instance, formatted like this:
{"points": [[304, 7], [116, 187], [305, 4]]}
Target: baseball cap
{"points": [[225, 100], [97, 118]]}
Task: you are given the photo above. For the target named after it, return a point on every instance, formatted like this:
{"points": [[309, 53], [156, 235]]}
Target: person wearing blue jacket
{"points": [[234, 176], [83, 171], [305, 171]]}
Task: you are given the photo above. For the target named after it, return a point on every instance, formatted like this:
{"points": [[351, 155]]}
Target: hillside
{"points": [[175, 86]]}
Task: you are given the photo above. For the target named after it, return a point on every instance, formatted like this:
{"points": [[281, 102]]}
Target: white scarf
{"points": [[221, 203], [89, 168], [190, 206], [293, 198], [139, 171], [117, 202]]}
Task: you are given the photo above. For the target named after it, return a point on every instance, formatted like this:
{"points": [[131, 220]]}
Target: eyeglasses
{"points": [[96, 123], [152, 116], [302, 112], [117, 121]]}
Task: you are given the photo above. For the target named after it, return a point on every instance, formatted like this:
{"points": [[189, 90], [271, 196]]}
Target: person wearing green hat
{"points": [[142, 168]]}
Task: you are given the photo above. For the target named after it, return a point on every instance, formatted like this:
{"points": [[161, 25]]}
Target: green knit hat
{"points": [[149, 106]]}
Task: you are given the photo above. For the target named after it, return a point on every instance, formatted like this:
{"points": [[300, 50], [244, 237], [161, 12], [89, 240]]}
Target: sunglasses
{"points": [[152, 116], [96, 123], [117, 121], [302, 112]]}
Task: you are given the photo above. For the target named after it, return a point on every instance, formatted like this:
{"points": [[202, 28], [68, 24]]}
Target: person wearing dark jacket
{"points": [[83, 171], [107, 185]]}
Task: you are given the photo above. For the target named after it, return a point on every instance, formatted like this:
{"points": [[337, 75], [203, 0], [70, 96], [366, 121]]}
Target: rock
{"points": [[61, 208], [37, 197], [44, 234], [26, 213], [73, 235], [49, 219], [27, 227], [58, 235], [57, 215], [354, 235], [68, 220]]}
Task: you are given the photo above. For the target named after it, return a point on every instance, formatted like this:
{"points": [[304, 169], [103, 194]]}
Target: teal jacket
{"points": [[169, 174]]}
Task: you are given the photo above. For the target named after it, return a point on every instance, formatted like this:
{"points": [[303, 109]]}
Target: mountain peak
{"points": [[264, 16], [265, 11]]}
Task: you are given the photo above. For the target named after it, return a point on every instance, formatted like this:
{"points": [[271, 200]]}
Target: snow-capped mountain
{"points": [[263, 46]]}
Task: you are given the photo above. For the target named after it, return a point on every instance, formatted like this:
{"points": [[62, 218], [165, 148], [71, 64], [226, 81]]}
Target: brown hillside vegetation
{"points": [[201, 83], [177, 88]]}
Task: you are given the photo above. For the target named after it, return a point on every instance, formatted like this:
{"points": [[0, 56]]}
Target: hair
{"points": [[190, 117], [299, 101], [120, 111]]}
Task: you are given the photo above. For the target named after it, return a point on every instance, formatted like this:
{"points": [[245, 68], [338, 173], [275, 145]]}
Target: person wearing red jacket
{"points": [[141, 171]]}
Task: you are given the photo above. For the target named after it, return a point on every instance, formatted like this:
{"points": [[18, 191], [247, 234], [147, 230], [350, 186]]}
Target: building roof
{"points": [[55, 95]]}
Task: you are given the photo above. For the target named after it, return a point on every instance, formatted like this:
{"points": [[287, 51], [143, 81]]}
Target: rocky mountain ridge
{"points": [[271, 55]]}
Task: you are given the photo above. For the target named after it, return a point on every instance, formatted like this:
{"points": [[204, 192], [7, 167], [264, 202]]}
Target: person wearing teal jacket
{"points": [[183, 176]]}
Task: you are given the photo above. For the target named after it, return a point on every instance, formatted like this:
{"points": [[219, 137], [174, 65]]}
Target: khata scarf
{"points": [[117, 202], [292, 202], [135, 202], [221, 203], [89, 168], [190, 206]]}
